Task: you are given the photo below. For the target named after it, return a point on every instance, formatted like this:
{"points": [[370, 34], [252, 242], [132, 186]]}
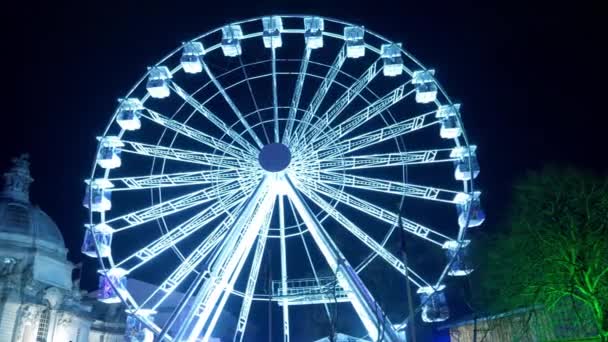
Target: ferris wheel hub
{"points": [[274, 157]]}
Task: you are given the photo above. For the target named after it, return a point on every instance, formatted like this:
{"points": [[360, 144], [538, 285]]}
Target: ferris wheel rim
{"points": [[464, 136]]}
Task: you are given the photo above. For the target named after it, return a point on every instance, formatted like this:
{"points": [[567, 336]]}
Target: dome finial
{"points": [[17, 181]]}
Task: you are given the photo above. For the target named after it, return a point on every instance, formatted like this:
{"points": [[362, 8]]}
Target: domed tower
{"points": [[28, 234], [37, 298]]}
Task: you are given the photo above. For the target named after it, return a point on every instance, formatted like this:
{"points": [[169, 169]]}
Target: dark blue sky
{"points": [[529, 75]]}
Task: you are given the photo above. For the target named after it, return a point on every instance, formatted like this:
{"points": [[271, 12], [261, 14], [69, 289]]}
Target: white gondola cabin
{"points": [[475, 215], [135, 330], [393, 62], [110, 294], [273, 26], [100, 234], [191, 57], [97, 197], [129, 113], [355, 46], [434, 304], [158, 82], [231, 40], [313, 32], [450, 125], [108, 156], [466, 165], [426, 89], [458, 255]]}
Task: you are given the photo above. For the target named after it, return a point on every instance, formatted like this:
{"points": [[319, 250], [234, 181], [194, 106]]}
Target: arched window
{"points": [[43, 325]]}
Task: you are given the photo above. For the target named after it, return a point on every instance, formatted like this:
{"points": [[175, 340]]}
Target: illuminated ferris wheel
{"points": [[308, 135]]}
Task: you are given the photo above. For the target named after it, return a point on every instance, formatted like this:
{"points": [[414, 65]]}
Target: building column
{"points": [[25, 329]]}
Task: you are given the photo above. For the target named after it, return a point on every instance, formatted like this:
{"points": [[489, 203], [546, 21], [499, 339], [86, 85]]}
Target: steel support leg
{"points": [[224, 264], [369, 311]]}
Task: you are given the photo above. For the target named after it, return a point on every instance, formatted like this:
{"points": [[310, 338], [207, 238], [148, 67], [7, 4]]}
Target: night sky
{"points": [[530, 77]]}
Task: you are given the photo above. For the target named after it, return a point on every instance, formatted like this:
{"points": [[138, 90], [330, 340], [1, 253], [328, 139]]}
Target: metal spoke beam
{"points": [[201, 158], [365, 239], [174, 179], [216, 120], [376, 136], [317, 99], [297, 93], [375, 211], [180, 232], [380, 160], [356, 120], [197, 135], [232, 105], [166, 288], [275, 100], [176, 205], [385, 186], [374, 320], [253, 99], [343, 101]]}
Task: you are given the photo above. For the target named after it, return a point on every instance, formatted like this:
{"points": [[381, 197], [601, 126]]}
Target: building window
{"points": [[43, 326]]}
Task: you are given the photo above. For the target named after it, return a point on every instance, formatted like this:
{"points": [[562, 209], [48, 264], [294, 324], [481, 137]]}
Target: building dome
{"points": [[26, 219], [17, 215]]}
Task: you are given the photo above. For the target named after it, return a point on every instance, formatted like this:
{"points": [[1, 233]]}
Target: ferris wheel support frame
{"points": [[227, 265], [283, 269], [372, 316]]}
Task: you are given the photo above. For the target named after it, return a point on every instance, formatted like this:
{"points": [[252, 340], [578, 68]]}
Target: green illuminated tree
{"points": [[553, 250]]}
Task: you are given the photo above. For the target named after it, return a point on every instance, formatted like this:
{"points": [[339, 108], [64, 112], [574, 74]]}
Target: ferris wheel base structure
{"points": [[196, 171]]}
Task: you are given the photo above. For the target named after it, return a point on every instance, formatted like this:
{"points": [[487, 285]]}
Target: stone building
{"points": [[39, 300]]}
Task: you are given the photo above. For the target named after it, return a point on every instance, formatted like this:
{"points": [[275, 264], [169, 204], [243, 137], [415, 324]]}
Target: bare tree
{"points": [[553, 249]]}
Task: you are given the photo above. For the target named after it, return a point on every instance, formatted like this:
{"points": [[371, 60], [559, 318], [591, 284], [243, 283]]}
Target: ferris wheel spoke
{"points": [[356, 120], [197, 135], [173, 179], [344, 100], [176, 154], [255, 102], [253, 278], [377, 212], [376, 136], [391, 187], [180, 232], [232, 105], [364, 238], [295, 101], [275, 101], [228, 264], [176, 205], [317, 99], [386, 160], [166, 288], [216, 120]]}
